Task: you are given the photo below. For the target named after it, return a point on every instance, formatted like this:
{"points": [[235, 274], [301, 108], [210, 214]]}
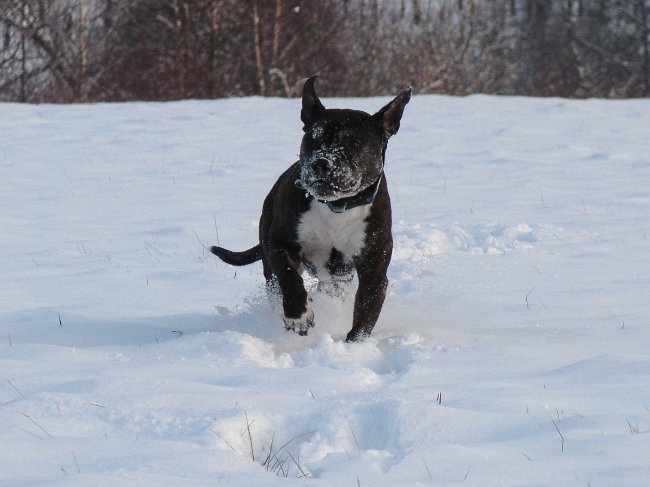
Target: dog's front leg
{"points": [[371, 267], [296, 303], [368, 302]]}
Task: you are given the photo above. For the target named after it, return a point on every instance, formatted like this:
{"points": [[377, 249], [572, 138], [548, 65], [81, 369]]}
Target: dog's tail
{"points": [[238, 258]]}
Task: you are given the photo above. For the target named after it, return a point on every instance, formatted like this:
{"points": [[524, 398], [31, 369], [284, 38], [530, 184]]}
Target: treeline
{"points": [[121, 50]]}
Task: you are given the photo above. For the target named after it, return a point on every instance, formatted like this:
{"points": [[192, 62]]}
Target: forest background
{"points": [[63, 51]]}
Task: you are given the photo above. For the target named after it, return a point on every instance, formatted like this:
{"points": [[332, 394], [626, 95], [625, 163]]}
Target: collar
{"points": [[363, 198]]}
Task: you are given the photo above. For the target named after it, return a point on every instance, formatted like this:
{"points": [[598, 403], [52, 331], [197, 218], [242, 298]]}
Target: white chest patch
{"points": [[320, 230]]}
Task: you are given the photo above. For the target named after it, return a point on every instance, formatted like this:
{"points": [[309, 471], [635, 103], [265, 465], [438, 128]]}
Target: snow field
{"points": [[512, 348]]}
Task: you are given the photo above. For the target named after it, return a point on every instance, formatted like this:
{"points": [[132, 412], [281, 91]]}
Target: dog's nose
{"points": [[320, 166]]}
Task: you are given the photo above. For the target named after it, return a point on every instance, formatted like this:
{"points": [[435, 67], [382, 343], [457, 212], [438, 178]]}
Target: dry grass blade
{"points": [[558, 431], [75, 462], [281, 459], [355, 439], [427, 467], [295, 438], [634, 428], [19, 393], [250, 437], [277, 460], [298, 467], [30, 433], [226, 441], [35, 423]]}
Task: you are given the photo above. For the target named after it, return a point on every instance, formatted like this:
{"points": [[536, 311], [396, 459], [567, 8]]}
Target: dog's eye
{"points": [[354, 144], [315, 133]]}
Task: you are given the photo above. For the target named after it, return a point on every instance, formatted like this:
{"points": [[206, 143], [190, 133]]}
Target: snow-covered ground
{"points": [[513, 348]]}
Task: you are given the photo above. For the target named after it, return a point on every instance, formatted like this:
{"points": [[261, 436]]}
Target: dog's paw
{"points": [[302, 324]]}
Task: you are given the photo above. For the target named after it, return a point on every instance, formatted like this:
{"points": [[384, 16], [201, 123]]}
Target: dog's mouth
{"points": [[327, 190], [331, 178]]}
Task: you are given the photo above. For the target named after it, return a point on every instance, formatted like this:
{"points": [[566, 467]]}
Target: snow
{"points": [[512, 348]]}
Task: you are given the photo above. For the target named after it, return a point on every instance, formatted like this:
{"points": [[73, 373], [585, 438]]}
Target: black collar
{"points": [[363, 198]]}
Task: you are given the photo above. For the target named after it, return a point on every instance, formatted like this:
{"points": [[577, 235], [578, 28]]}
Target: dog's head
{"points": [[342, 151]]}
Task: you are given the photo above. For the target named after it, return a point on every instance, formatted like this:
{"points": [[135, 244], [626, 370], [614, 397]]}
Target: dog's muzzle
{"points": [[326, 180]]}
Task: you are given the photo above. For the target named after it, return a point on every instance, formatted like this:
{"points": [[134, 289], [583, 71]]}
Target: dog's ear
{"points": [[311, 105], [391, 114]]}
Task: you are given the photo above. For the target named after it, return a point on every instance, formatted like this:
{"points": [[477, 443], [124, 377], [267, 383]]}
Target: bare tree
{"points": [[56, 50], [91, 50]]}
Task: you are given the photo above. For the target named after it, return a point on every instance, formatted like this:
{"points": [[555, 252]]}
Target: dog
{"points": [[330, 213]]}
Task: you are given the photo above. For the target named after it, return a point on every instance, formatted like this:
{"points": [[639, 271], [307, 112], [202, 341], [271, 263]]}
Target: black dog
{"points": [[330, 212]]}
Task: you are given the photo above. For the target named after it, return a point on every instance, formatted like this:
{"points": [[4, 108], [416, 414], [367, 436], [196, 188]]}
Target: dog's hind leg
{"points": [[335, 278]]}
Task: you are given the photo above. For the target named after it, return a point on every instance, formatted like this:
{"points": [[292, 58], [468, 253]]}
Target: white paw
{"points": [[303, 324]]}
